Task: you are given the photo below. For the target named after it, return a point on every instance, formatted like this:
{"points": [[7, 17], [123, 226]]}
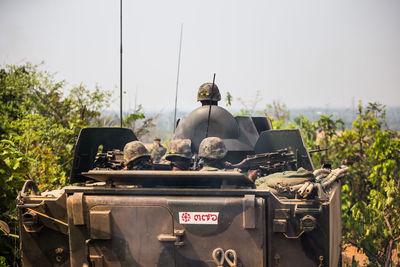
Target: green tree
{"points": [[249, 106], [42, 118], [132, 119], [370, 196], [308, 129], [278, 111], [40, 122], [228, 99], [371, 193], [14, 168]]}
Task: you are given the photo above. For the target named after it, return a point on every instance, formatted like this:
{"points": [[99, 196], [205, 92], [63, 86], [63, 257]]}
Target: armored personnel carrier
{"points": [[160, 217]]}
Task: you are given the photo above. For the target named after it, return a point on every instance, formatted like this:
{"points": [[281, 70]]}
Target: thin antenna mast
{"points": [[177, 78], [209, 109], [136, 98], [120, 65]]}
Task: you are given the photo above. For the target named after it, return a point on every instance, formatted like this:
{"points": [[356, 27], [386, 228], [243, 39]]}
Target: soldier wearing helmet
{"points": [[212, 151], [179, 153], [136, 156], [208, 94], [158, 150]]}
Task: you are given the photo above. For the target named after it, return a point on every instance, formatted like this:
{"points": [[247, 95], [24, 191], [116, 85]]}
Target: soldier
{"points": [[136, 156], [208, 95], [179, 153], [157, 151], [212, 151]]}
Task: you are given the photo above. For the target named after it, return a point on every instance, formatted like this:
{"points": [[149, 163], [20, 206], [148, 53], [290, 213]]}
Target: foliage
{"points": [[308, 129], [49, 145], [277, 110], [228, 99], [14, 167], [43, 122], [371, 198], [371, 194], [249, 106], [135, 120], [25, 90], [40, 123], [2, 261], [132, 119]]}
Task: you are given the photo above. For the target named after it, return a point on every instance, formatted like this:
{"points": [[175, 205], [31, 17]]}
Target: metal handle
{"points": [[231, 257], [167, 238], [218, 256], [177, 237], [293, 237], [307, 210]]}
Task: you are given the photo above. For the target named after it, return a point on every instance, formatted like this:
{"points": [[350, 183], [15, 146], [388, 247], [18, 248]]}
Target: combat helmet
{"points": [[208, 92], [212, 148], [134, 150], [179, 148]]}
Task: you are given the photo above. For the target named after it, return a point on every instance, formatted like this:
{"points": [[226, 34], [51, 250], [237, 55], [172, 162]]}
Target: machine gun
{"points": [[267, 163], [113, 159], [318, 149]]}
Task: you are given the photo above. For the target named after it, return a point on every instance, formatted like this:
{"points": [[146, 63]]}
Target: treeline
{"points": [[39, 126], [371, 193], [41, 119]]}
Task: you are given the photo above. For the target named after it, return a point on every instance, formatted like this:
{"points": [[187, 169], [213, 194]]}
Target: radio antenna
{"points": [[209, 109], [120, 65], [177, 79]]}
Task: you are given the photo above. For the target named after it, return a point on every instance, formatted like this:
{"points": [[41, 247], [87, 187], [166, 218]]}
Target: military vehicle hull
{"points": [[182, 218], [131, 226]]}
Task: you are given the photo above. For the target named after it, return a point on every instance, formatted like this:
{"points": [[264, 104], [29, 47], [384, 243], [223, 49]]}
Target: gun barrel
{"points": [[317, 150], [266, 161]]}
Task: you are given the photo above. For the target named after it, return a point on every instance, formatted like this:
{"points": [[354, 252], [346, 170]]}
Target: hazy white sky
{"points": [[304, 53]]}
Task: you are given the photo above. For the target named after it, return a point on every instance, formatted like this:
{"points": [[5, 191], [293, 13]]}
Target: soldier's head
{"points": [[136, 156], [212, 149], [157, 141], [179, 153], [208, 94]]}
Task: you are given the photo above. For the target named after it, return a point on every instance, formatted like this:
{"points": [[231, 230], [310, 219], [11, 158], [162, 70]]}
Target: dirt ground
{"points": [[362, 259], [349, 252]]}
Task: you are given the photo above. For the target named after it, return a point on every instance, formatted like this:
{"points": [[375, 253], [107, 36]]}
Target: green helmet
{"points": [[179, 148], [212, 148], [208, 92], [134, 150]]}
